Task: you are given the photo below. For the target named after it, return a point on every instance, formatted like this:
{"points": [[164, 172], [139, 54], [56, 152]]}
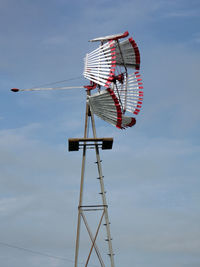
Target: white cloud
{"points": [[6, 204]]}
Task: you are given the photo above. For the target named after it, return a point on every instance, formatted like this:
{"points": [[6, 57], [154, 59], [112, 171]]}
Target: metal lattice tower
{"points": [[86, 143]]}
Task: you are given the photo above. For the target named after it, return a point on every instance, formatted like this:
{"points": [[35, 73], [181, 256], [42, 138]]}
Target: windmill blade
{"points": [[127, 53], [46, 88], [100, 64], [130, 93], [111, 37], [105, 105]]}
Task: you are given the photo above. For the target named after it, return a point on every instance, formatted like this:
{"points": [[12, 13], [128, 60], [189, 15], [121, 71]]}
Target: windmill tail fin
{"points": [[47, 88]]}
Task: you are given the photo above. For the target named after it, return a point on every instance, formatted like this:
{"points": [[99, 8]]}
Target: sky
{"points": [[152, 172]]}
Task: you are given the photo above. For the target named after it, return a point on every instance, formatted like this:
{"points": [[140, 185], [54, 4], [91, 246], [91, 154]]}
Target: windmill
{"points": [[115, 95]]}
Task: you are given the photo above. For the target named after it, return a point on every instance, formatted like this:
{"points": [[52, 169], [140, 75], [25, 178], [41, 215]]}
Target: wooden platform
{"points": [[74, 144]]}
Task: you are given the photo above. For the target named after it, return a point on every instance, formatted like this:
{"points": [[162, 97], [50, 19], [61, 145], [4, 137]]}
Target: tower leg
{"points": [[81, 188], [107, 223]]}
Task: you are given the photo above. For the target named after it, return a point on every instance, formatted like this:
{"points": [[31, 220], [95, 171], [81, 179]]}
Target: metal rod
{"points": [[81, 185], [103, 194], [91, 209], [124, 108], [47, 88], [91, 206]]}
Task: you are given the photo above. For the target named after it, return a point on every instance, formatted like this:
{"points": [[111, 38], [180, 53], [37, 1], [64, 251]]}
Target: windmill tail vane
{"points": [[46, 88], [112, 69]]}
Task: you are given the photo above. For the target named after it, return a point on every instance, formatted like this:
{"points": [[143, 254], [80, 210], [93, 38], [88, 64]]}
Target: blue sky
{"points": [[152, 173]]}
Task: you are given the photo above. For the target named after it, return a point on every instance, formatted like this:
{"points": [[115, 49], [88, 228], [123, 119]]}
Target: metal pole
{"points": [[81, 185], [107, 223]]}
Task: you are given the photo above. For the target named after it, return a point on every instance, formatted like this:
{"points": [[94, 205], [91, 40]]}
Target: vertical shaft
{"points": [[81, 186], [107, 223]]}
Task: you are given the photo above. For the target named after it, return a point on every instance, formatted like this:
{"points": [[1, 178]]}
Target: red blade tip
{"points": [[14, 90]]}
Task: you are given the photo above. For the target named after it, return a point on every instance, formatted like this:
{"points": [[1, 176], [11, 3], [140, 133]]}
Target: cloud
{"points": [[31, 177], [45, 193], [6, 204], [196, 38]]}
